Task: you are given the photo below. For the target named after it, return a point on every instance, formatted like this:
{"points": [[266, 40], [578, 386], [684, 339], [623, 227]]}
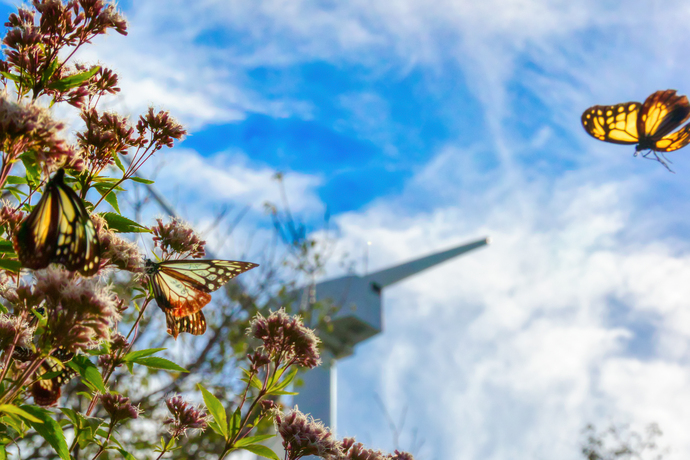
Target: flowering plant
{"points": [[75, 290]]}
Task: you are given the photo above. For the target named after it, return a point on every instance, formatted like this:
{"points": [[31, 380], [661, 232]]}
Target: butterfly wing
{"points": [[53, 375], [183, 285], [176, 297], [195, 323], [59, 230], [613, 123], [662, 113]]}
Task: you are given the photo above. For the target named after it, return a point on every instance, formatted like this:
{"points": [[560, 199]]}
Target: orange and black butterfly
{"points": [[59, 230], [181, 289], [651, 125], [52, 375]]}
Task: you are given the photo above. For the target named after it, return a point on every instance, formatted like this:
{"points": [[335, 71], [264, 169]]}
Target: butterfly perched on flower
{"points": [[59, 230], [181, 289], [651, 125], [52, 374]]}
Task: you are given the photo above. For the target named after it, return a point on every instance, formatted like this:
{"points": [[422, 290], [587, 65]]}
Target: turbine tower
{"points": [[358, 319]]}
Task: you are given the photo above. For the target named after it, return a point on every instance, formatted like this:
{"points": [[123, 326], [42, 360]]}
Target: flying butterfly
{"points": [[181, 289], [651, 125], [59, 230]]}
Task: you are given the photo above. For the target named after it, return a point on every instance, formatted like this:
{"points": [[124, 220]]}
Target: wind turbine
{"points": [[358, 319]]}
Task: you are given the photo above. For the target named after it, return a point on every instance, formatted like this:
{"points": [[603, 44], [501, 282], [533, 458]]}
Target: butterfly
{"points": [[651, 125], [181, 289], [52, 374], [59, 230]]}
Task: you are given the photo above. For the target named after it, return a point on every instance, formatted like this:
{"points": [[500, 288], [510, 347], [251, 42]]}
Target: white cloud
{"points": [[513, 349]]}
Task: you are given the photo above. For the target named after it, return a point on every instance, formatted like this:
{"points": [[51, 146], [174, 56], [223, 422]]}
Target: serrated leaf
{"points": [[141, 180], [10, 265], [110, 198], [253, 439], [216, 409], [122, 224], [154, 362], [131, 356], [261, 450], [73, 80], [49, 429], [88, 371], [10, 409], [72, 415]]}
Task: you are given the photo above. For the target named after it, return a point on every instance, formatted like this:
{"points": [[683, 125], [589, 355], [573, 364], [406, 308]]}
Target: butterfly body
{"points": [[653, 125], [182, 288], [59, 230]]}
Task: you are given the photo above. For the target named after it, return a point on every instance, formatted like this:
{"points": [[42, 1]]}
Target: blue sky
{"points": [[425, 125]]}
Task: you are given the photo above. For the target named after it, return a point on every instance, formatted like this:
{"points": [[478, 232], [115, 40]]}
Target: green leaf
{"points": [[216, 410], [261, 450], [16, 180], [282, 393], [286, 381], [10, 264], [253, 439], [214, 426], [141, 180], [73, 80], [50, 70], [6, 246], [10, 76], [72, 415], [121, 224], [235, 422], [110, 198], [33, 173], [126, 455], [118, 163], [131, 356], [49, 429], [10, 409], [88, 371], [155, 362]]}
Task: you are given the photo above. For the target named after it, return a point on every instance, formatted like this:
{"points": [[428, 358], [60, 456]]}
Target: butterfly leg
{"points": [[661, 159]]}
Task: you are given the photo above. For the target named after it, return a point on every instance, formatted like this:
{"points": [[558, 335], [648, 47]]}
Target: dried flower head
{"points": [[257, 360], [104, 137], [115, 250], [401, 456], [118, 343], [286, 339], [161, 128], [303, 436], [119, 408], [267, 406], [14, 330], [80, 311], [178, 238], [356, 451], [25, 127], [23, 298], [184, 416]]}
